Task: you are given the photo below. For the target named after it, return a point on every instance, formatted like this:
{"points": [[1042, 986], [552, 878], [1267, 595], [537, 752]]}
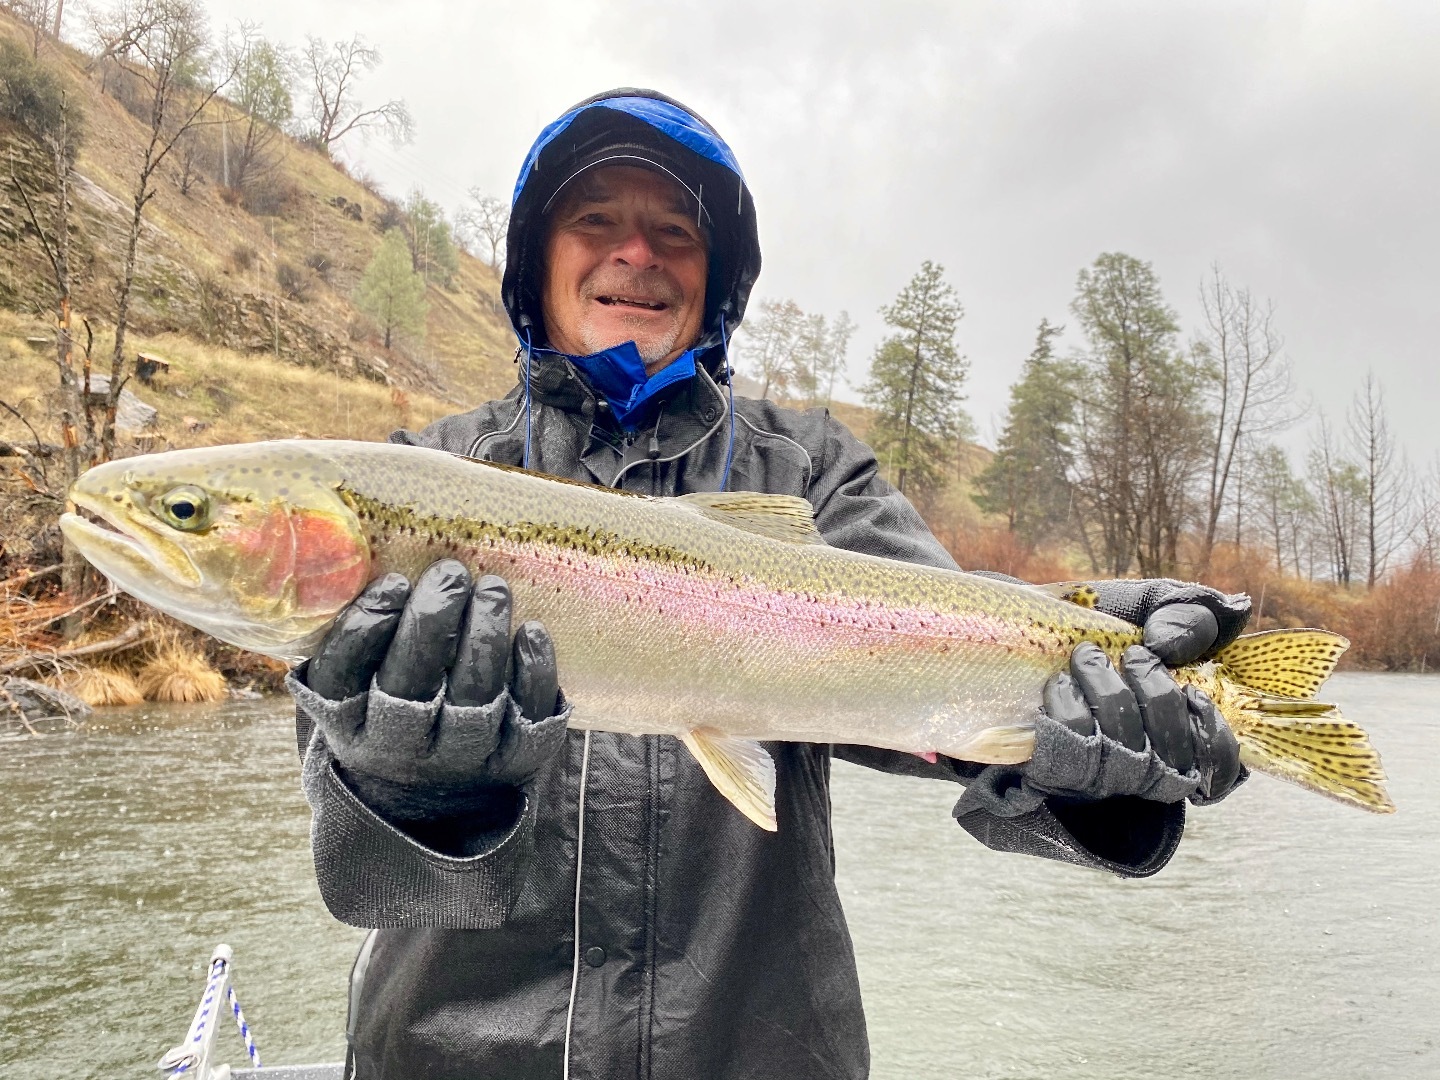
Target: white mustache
{"points": [[644, 286]]}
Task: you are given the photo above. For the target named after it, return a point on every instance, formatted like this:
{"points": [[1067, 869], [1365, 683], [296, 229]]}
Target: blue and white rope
{"points": [[244, 1028], [207, 1015]]}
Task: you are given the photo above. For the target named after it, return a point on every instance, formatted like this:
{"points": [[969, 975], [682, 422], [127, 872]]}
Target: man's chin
{"points": [[653, 344]]}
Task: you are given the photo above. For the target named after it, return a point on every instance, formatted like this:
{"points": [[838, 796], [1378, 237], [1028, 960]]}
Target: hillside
{"points": [[210, 261]]}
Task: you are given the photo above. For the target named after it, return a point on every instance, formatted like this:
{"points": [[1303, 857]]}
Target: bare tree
{"points": [[837, 348], [1285, 507], [1250, 386], [1340, 491], [164, 44], [41, 16], [1428, 515], [771, 344], [44, 111], [332, 69], [260, 89], [485, 220], [1384, 474]]}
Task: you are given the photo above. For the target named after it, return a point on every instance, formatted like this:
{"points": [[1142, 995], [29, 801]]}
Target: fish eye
{"points": [[185, 508]]}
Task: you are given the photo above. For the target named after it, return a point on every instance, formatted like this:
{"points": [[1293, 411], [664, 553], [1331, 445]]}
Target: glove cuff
{"points": [[1071, 765]]}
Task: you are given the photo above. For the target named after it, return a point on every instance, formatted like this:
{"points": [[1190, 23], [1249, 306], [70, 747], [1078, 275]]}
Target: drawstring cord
{"points": [[529, 354], [730, 385], [652, 451]]}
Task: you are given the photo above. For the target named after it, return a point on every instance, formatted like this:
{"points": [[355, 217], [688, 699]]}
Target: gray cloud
{"points": [[1294, 143]]}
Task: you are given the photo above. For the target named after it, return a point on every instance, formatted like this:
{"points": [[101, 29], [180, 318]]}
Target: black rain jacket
{"points": [[631, 923]]}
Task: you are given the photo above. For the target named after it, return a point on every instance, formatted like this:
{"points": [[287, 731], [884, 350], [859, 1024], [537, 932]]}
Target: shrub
{"points": [[269, 195], [391, 216], [320, 263], [32, 97], [295, 282], [362, 328], [242, 257]]}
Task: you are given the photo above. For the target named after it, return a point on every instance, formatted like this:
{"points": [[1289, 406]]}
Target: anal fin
{"points": [[741, 770]]}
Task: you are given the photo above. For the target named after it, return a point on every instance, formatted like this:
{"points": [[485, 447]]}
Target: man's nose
{"points": [[635, 250]]}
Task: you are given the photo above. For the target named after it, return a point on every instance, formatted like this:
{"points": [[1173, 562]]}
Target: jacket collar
{"points": [[688, 412]]}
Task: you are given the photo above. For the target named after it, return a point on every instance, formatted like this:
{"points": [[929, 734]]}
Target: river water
{"points": [[1290, 937]]}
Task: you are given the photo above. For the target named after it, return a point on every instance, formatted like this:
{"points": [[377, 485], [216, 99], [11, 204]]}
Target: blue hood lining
{"points": [[669, 120]]}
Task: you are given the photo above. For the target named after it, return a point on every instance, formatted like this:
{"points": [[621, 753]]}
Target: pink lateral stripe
{"points": [[702, 602]]}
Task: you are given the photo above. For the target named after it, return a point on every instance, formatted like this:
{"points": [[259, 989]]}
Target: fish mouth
{"points": [[128, 546]]}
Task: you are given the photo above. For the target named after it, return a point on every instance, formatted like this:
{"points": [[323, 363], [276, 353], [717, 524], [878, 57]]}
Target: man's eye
{"points": [[595, 219]]}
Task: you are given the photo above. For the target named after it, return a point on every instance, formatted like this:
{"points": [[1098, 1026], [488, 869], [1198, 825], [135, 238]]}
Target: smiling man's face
{"points": [[625, 260]]}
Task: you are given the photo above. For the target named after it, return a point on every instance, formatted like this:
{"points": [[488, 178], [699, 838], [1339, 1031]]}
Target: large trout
{"points": [[722, 619]]}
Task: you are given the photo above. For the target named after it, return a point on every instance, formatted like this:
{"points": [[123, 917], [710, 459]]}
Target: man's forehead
{"points": [[610, 183]]}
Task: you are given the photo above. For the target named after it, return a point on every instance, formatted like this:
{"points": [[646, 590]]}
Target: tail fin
{"points": [[1285, 663], [1271, 679], [1326, 753]]}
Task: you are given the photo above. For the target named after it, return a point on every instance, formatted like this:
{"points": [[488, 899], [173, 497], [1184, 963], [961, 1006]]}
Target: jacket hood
{"points": [[648, 127]]}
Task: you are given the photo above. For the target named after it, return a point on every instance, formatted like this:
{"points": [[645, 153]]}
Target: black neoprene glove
{"points": [[429, 709], [1183, 622], [1105, 733]]}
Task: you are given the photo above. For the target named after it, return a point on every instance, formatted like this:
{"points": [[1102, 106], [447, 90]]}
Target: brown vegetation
{"points": [[178, 673]]}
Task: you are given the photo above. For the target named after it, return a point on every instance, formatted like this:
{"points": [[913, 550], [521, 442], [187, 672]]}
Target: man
{"points": [[587, 905]]}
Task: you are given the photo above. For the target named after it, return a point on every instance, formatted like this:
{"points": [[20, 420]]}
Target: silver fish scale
{"points": [[666, 619]]}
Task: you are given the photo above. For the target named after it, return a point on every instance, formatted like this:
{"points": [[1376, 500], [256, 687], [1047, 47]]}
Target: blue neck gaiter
{"points": [[618, 374]]}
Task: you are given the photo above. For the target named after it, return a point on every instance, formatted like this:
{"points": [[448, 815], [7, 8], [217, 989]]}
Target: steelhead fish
{"points": [[720, 618]]}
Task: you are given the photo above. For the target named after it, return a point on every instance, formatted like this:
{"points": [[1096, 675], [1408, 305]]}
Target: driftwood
{"points": [[134, 634], [101, 598]]}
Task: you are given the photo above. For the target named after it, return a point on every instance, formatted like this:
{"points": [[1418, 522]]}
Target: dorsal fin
{"points": [[780, 517], [1080, 593]]}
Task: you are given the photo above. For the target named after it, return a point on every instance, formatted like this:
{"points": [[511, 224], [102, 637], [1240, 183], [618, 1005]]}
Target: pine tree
{"points": [[916, 385], [1028, 480], [391, 292], [1144, 419], [432, 247]]}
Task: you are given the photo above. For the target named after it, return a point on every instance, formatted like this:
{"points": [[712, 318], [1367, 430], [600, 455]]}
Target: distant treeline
{"points": [[1140, 449]]}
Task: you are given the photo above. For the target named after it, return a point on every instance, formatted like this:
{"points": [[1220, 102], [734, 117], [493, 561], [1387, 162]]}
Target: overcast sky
{"points": [[1296, 144]]}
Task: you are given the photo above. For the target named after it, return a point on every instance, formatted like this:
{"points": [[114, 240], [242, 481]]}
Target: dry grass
{"points": [[178, 674], [212, 395], [101, 684]]}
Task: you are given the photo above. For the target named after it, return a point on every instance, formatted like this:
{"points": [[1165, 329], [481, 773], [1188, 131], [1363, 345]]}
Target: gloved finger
{"points": [[1112, 702], [1064, 703], [1162, 707], [1181, 633], [536, 683], [351, 653], [478, 674], [1217, 751], [425, 641]]}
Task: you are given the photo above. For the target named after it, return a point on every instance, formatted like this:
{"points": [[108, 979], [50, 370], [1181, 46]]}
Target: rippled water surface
{"points": [[1290, 937]]}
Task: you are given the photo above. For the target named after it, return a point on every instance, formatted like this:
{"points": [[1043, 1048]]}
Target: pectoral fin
{"points": [[741, 769]]}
